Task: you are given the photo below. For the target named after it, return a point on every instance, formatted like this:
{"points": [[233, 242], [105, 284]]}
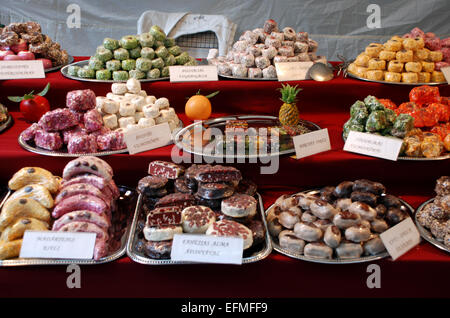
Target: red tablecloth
{"points": [[421, 272]]}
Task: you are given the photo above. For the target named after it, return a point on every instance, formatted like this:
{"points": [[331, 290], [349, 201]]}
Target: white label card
{"points": [[207, 249], [198, 73], [21, 69], [48, 244], [311, 143], [373, 145], [144, 139], [293, 71], [400, 238], [446, 72]]}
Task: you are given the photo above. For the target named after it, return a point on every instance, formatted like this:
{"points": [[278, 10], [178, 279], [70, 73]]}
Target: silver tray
{"points": [[143, 259], [393, 83], [55, 68], [64, 153], [302, 257], [8, 123], [221, 121], [248, 78], [425, 233], [125, 192], [65, 69]]}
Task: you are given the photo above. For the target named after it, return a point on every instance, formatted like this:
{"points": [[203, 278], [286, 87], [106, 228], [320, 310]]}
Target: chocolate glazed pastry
{"points": [[156, 250], [246, 187], [182, 185], [152, 186], [214, 190], [213, 204]]}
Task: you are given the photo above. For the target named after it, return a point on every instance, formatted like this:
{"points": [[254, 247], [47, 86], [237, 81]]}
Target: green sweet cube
{"points": [[376, 121], [169, 42], [161, 52], [158, 63], [157, 33], [402, 125], [95, 64], [86, 73], [120, 75], [73, 70], [146, 40], [104, 55], [121, 54], [135, 53], [154, 73], [182, 59], [128, 64], [129, 42], [103, 75], [174, 50], [110, 44], [165, 72], [137, 74], [143, 64], [148, 53], [113, 65], [170, 60], [373, 104]]}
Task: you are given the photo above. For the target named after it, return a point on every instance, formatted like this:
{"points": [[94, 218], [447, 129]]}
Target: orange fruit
{"points": [[198, 107]]}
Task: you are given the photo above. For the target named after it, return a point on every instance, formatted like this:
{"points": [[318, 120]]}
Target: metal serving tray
{"points": [[128, 197], [302, 257], [55, 68], [248, 78], [65, 71], [221, 121], [393, 83], [143, 259], [425, 233]]}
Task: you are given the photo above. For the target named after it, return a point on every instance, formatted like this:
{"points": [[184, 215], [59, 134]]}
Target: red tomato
{"points": [[32, 109]]}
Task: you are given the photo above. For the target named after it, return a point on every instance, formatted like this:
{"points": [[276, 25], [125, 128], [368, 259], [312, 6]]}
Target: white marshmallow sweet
{"points": [[172, 125], [110, 106], [126, 109], [168, 113], [119, 88], [138, 102], [110, 121], [162, 103], [150, 99], [99, 101], [146, 122], [131, 95], [138, 116], [150, 111], [125, 121], [142, 93], [160, 120], [133, 86]]}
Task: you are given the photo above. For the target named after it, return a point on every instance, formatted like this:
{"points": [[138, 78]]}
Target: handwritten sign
{"points": [[311, 143], [148, 138], [21, 69], [293, 71], [48, 244], [400, 238], [373, 145], [198, 73], [207, 249], [446, 72]]}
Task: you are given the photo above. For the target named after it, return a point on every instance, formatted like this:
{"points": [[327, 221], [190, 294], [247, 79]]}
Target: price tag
{"points": [[373, 145], [48, 244], [144, 139], [21, 69], [198, 73], [311, 143], [293, 71], [446, 72], [207, 249], [400, 238]]}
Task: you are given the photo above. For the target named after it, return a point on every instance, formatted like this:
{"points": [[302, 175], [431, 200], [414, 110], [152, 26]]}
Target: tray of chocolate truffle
{"points": [[86, 199], [422, 123], [414, 59], [202, 199], [95, 126], [145, 57], [433, 216], [253, 57], [335, 225], [25, 41]]}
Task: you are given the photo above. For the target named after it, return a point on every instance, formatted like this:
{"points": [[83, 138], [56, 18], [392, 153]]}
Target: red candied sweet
{"points": [[441, 110], [439, 130], [439, 65], [82, 144], [81, 100], [425, 117], [430, 35], [424, 95], [67, 134], [416, 32], [93, 120], [29, 133], [433, 44], [407, 108], [111, 141], [445, 100], [388, 103], [103, 130], [78, 116], [58, 119], [48, 140], [445, 42], [446, 54]]}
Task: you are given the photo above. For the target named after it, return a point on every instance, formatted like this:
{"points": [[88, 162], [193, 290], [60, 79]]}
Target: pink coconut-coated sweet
{"points": [[81, 100]]}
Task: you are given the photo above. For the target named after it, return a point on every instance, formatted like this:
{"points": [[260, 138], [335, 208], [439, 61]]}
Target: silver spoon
{"points": [[321, 72]]}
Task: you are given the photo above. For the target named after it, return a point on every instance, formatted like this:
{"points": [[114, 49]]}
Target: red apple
{"points": [[21, 46], [47, 63], [5, 53], [26, 55], [11, 58]]}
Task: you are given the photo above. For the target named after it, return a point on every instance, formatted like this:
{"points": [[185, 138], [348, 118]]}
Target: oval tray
{"points": [[127, 192], [220, 121], [64, 71], [393, 83], [425, 233], [302, 257], [55, 68], [248, 78], [8, 123], [143, 259]]}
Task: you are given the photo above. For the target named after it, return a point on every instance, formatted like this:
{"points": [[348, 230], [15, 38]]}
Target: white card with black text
{"points": [[400, 238], [373, 145], [311, 143]]}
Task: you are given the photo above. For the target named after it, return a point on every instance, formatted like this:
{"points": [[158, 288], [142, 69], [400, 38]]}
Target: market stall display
{"points": [[335, 224], [433, 216], [25, 41], [415, 58], [202, 199], [145, 57], [85, 199], [255, 54]]}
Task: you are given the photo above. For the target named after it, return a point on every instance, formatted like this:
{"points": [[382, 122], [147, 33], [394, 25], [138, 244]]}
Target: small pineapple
{"points": [[289, 115]]}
